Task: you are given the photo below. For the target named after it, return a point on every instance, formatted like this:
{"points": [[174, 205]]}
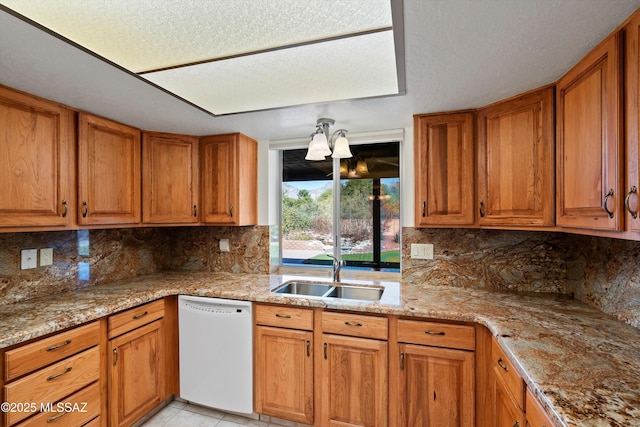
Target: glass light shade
{"points": [[341, 149], [318, 148], [361, 167]]}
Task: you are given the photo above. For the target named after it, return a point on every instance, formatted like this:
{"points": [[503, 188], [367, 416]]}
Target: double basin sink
{"points": [[330, 290]]}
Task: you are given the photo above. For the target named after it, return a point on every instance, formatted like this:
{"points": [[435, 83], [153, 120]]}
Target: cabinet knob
{"points": [[634, 214], [604, 203], [231, 210], [64, 208], [85, 209], [481, 208], [424, 209], [195, 211], [115, 356]]}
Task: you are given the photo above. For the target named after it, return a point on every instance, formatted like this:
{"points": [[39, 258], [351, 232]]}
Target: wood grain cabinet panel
{"points": [[37, 167], [516, 166], [632, 128], [444, 169], [108, 172], [170, 187], [589, 141], [535, 415], [229, 179]]}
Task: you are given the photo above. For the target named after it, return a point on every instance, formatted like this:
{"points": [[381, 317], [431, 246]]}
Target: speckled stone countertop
{"points": [[583, 365]]}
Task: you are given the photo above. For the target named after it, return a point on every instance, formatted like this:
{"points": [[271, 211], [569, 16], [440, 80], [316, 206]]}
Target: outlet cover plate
{"points": [[29, 259], [46, 256], [224, 245], [422, 251]]}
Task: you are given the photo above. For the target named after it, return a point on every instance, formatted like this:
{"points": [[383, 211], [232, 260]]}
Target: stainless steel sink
{"points": [[330, 290]]}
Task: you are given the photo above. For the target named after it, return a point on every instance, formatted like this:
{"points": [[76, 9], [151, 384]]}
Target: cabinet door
{"points": [[436, 387], [169, 178], [535, 415], [108, 172], [444, 169], [354, 382], [589, 143], [36, 162], [136, 373], [632, 96], [229, 179], [516, 166], [284, 373], [506, 412]]}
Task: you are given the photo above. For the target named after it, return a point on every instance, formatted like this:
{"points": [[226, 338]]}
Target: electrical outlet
{"points": [[29, 259], [224, 245], [422, 251], [46, 256]]}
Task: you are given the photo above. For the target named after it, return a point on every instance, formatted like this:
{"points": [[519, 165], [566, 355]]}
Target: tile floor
{"points": [[183, 414]]}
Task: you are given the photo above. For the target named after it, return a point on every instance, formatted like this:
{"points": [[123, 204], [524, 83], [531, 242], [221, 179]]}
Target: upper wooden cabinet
{"points": [[36, 162], [632, 97], [229, 179], [444, 169], [516, 166], [589, 141], [170, 187], [108, 172]]}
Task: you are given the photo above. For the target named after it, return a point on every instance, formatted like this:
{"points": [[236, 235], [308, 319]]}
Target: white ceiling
{"points": [[458, 54]]}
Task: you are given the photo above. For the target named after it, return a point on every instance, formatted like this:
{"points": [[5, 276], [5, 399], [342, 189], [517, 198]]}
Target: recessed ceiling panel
{"points": [[350, 68]]}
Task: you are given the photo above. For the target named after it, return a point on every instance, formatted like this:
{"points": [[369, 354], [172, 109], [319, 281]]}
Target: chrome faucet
{"points": [[337, 266]]}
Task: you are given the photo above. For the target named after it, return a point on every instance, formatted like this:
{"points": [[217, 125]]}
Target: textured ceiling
{"points": [[230, 56], [458, 54]]}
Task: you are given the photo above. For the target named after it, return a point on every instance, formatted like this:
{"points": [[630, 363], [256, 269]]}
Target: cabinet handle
{"points": [[308, 348], [53, 377], [424, 209], [115, 356], [604, 203], [55, 347], [283, 316], [325, 351], [55, 417], [634, 214], [402, 361], [138, 316], [85, 209], [517, 424], [64, 208], [502, 365], [428, 332], [353, 323], [481, 208], [195, 211], [231, 210]]}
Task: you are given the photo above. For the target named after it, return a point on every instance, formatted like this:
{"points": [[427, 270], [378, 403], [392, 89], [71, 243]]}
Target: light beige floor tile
{"points": [[244, 421], [191, 419]]}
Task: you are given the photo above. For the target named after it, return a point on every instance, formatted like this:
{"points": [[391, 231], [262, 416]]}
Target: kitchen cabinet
{"points": [[354, 370], [535, 415], [64, 367], [37, 166], [284, 363], [170, 187], [229, 179], [589, 141], [507, 389], [444, 169], [435, 374], [136, 363], [108, 172], [516, 165], [632, 98]]}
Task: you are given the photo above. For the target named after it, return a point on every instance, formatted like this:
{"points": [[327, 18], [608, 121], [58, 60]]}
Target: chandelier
{"points": [[322, 145]]}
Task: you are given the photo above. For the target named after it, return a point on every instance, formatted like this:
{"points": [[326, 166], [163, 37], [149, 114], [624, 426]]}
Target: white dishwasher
{"points": [[216, 352]]}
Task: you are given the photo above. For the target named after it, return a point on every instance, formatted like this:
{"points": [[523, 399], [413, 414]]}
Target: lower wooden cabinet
{"points": [[136, 367], [535, 415], [507, 389]]}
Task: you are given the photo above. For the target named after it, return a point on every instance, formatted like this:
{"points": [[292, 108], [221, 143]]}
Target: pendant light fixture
{"points": [[323, 145]]}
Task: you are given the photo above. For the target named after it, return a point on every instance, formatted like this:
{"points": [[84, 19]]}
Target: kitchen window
{"points": [[342, 207]]}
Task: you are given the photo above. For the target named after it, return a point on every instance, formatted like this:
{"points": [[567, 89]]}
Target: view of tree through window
{"points": [[369, 206]]}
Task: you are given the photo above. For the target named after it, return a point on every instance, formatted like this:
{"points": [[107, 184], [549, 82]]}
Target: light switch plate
{"points": [[46, 256], [224, 245], [422, 251], [29, 259]]}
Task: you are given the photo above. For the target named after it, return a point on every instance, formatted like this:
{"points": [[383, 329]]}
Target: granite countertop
{"points": [[582, 365]]}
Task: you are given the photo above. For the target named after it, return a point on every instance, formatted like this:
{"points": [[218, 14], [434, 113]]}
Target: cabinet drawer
{"points": [[503, 367], [437, 334], [54, 382], [73, 411], [355, 325], [131, 319], [30, 357], [96, 422], [536, 417], [284, 317]]}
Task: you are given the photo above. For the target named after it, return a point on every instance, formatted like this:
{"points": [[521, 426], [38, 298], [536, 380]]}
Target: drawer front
{"points": [[536, 417], [30, 357], [437, 334], [73, 411], [131, 319], [96, 422], [54, 382], [503, 367], [355, 325], [284, 317]]}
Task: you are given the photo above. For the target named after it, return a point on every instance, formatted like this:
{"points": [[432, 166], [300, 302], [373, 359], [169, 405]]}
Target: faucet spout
{"points": [[337, 266]]}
